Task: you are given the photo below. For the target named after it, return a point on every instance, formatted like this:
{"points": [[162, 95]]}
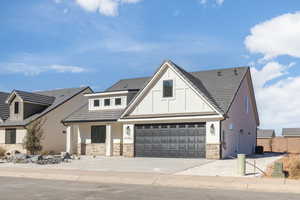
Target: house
{"points": [[4, 111], [19, 109], [264, 138], [291, 132], [173, 113]]}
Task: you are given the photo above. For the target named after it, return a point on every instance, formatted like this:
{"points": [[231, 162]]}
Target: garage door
{"points": [[170, 140]]}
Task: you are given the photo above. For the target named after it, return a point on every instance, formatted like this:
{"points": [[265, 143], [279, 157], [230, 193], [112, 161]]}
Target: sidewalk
{"points": [[155, 179]]}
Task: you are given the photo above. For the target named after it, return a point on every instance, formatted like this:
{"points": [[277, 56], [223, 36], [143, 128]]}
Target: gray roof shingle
{"points": [[291, 132], [35, 97], [84, 115], [219, 86], [265, 133], [4, 108], [60, 95]]}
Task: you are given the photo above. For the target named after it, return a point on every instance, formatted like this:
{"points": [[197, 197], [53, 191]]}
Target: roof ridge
{"points": [[59, 89]]}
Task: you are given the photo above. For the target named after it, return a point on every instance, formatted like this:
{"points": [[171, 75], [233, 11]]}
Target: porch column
{"points": [[68, 140], [109, 141], [128, 140], [213, 140], [77, 134]]}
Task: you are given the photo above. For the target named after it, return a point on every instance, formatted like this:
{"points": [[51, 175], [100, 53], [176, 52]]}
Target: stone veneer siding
{"points": [[95, 149], [117, 149], [12, 147], [91, 149], [213, 151], [128, 150]]}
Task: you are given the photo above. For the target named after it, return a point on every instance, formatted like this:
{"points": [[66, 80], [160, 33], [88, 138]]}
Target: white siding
{"points": [[239, 119], [112, 103], [184, 99]]}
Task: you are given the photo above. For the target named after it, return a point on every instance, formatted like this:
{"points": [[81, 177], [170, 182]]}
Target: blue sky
{"points": [[69, 43]]}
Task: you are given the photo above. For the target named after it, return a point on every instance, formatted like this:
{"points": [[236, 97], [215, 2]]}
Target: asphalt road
{"points": [[30, 189]]}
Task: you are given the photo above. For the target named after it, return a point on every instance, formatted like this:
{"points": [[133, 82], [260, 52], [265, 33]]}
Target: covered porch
{"points": [[94, 138]]}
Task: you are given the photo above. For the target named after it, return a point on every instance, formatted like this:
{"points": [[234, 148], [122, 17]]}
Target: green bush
{"points": [[33, 139]]}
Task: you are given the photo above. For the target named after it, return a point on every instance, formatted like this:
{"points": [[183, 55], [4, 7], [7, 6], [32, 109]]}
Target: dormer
{"points": [[110, 100], [25, 104]]}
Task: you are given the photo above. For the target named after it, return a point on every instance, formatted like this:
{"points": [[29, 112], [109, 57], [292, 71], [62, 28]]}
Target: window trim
{"points": [[163, 88], [16, 107], [10, 131], [100, 137], [96, 100], [104, 102], [118, 98]]}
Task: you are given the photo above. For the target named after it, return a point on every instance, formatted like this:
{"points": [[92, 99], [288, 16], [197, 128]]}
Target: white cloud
{"points": [[276, 37], [277, 94], [33, 70], [105, 7], [217, 2]]}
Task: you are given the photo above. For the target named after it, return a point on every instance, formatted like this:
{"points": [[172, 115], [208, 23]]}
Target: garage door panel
{"points": [[173, 140]]}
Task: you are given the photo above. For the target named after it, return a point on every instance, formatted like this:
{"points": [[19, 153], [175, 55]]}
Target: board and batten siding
{"points": [[239, 129], [184, 99]]}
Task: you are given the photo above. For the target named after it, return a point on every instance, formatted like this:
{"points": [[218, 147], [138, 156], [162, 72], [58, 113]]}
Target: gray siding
{"points": [[20, 115]]}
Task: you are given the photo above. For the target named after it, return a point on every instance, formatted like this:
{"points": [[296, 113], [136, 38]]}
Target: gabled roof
{"points": [[218, 87], [291, 132], [4, 108], [31, 97], [265, 133], [61, 96]]}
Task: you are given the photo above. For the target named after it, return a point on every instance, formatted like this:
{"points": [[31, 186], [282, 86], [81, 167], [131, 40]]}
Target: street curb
{"points": [[225, 183]]}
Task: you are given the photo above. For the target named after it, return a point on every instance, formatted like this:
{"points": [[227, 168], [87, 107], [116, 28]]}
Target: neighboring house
{"points": [[174, 113], [291, 132], [19, 109], [264, 138], [4, 110]]}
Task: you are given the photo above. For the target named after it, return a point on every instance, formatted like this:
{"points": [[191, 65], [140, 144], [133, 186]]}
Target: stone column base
{"points": [[117, 149], [128, 150], [213, 151]]}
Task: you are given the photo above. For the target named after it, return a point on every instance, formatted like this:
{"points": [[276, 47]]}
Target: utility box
{"points": [[278, 170], [241, 164]]}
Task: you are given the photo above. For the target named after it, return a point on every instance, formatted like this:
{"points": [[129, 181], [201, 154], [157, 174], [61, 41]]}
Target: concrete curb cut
{"points": [[225, 183]]}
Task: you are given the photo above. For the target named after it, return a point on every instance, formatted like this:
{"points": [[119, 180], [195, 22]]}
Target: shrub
{"points": [[291, 166], [33, 139], [2, 152]]}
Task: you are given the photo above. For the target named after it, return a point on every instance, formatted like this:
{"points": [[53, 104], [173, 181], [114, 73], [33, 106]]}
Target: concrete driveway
{"points": [[121, 164]]}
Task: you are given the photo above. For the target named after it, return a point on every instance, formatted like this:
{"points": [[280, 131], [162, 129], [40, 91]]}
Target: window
{"points": [[168, 88], [16, 107], [98, 134], [96, 103], [118, 101], [246, 102], [106, 102], [10, 136]]}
